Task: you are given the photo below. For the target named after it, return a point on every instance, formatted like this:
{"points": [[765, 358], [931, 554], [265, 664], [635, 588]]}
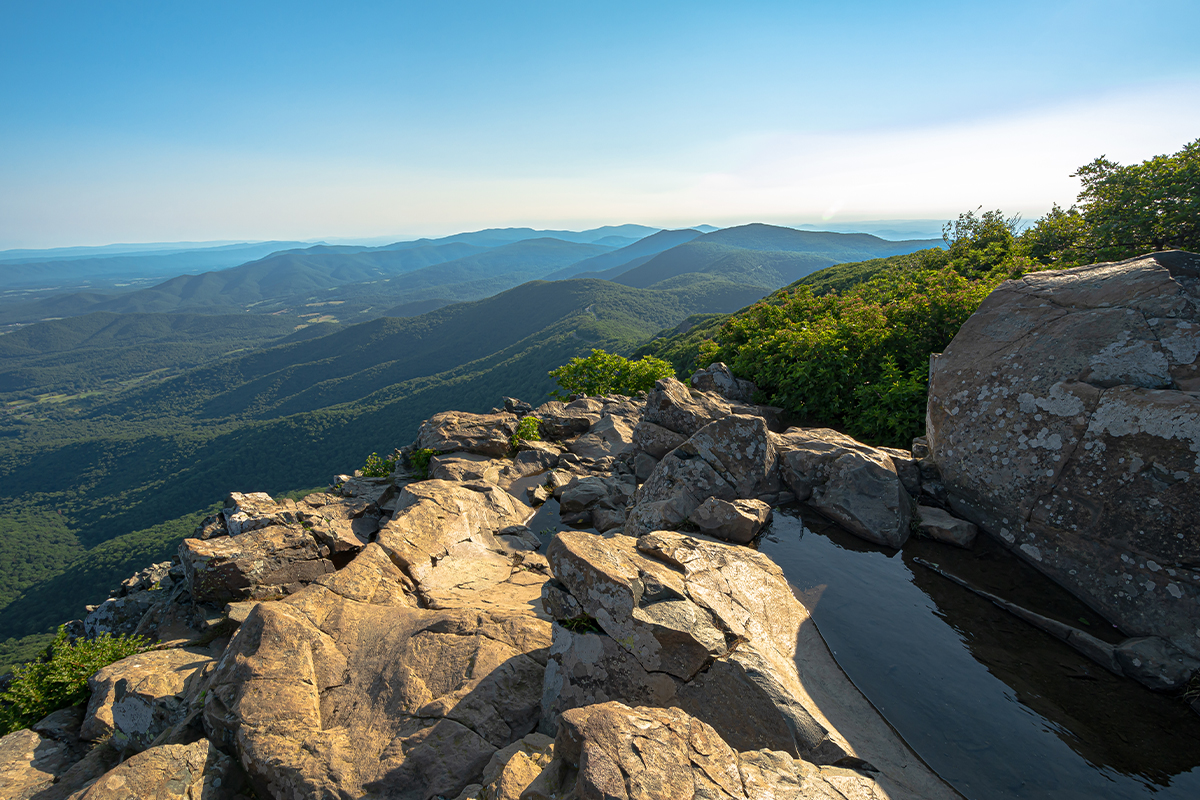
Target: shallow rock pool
{"points": [[995, 706]]}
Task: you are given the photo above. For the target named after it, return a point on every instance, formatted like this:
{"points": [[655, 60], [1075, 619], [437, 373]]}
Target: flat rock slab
{"points": [[940, 525], [326, 695], [485, 434]]}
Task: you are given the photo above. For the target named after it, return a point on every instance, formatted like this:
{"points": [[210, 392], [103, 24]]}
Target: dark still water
{"points": [[996, 707]]}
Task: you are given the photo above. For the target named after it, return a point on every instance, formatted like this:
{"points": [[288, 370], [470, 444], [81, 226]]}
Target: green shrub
{"points": [[606, 373], [418, 460], [527, 431], [61, 679], [857, 360], [377, 467]]}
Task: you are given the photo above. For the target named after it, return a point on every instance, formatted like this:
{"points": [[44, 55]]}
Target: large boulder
{"points": [[718, 378], [257, 565], [672, 405], [853, 484], [137, 698], [1064, 420], [485, 434], [444, 535], [611, 436], [731, 458], [30, 763], [738, 522]]}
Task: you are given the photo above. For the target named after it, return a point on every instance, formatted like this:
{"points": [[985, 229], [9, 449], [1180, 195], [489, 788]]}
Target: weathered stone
{"points": [[646, 753], [643, 466], [582, 492], [938, 524], [534, 457], [253, 511], [370, 578], [607, 519], [326, 696], [118, 615], [188, 772], [608, 437], [655, 441], [920, 448], [1156, 663], [137, 698], [512, 769], [906, 468], [665, 633], [738, 521], [464, 467], [561, 421], [854, 484], [485, 434], [30, 762], [1063, 420], [719, 379], [728, 459], [673, 406], [258, 565]]}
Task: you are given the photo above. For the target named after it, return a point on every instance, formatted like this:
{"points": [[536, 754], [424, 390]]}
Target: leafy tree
{"points": [[61, 679], [606, 373], [1059, 239], [1149, 206], [527, 431]]}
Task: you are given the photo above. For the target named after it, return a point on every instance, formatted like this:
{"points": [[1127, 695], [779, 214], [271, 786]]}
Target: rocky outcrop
{"points": [[738, 522], [393, 637], [261, 564], [711, 629], [730, 458], [718, 379], [1064, 421]]}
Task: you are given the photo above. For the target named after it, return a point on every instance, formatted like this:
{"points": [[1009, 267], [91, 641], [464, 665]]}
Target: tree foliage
{"points": [[1154, 205], [61, 678], [606, 373], [859, 360]]}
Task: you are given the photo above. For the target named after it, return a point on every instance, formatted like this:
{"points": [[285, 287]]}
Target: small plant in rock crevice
{"points": [[581, 624], [418, 460], [377, 467], [528, 430]]}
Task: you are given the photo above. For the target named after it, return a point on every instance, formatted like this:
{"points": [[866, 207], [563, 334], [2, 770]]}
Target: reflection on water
{"points": [[996, 707]]}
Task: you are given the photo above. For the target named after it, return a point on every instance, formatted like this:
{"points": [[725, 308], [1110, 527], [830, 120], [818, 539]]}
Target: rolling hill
{"points": [[103, 484], [763, 255]]}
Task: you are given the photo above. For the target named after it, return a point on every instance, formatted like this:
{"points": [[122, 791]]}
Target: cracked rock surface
{"points": [[1065, 420]]}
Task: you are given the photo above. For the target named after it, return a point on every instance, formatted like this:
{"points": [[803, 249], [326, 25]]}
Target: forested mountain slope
{"points": [[105, 483]]}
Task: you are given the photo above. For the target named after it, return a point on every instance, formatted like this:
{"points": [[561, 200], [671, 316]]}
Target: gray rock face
{"points": [[258, 565], [1063, 420], [655, 440], [718, 379], [139, 697], [673, 406], [939, 525], [1156, 663], [485, 434], [738, 521], [608, 437], [118, 615], [728, 459], [29, 763], [326, 696], [854, 484]]}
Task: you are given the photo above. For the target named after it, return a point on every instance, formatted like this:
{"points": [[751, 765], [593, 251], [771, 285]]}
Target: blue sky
{"points": [[170, 121]]}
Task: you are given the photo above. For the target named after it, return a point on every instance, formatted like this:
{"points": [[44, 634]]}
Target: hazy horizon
{"points": [[141, 122]]}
